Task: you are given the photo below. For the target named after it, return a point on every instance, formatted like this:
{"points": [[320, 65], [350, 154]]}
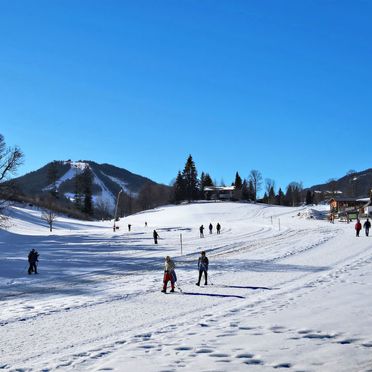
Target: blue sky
{"points": [[284, 87]]}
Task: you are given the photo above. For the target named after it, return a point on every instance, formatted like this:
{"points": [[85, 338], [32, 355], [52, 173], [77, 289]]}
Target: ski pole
{"points": [[179, 287]]}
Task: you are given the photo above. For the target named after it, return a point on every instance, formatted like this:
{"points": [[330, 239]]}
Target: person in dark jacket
{"points": [[201, 230], [210, 228], [156, 236], [218, 227], [358, 227], [203, 263], [33, 257], [367, 226]]}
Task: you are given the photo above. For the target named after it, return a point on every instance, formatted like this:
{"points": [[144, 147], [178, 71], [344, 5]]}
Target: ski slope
{"points": [[287, 290]]}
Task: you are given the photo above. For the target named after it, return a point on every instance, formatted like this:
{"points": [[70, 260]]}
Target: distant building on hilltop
{"points": [[219, 192]]}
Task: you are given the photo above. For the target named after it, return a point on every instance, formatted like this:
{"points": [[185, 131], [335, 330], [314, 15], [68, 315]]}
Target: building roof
{"points": [[219, 188]]}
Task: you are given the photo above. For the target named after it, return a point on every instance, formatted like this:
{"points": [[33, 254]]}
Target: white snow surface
{"points": [[287, 290]]}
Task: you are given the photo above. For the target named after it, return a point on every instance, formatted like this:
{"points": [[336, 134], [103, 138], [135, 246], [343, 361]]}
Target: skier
{"points": [[367, 226], [203, 263], [201, 229], [33, 257], [156, 236], [129, 226], [145, 223], [210, 228], [358, 227], [169, 274], [218, 227]]}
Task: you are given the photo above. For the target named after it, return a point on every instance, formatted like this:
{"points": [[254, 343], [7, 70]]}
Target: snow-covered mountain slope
{"points": [[107, 181], [286, 290]]}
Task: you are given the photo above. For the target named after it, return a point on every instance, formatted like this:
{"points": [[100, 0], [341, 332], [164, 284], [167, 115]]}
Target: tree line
{"points": [[188, 186]]}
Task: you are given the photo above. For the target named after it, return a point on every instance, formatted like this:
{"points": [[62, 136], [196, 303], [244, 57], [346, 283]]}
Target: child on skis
{"points": [[169, 274]]}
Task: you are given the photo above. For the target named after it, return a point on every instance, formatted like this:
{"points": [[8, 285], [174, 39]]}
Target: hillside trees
{"points": [[10, 159], [83, 191], [52, 175], [293, 194]]}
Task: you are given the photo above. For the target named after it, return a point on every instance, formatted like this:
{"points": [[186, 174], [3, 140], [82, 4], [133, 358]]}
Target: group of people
{"points": [[218, 229], [33, 258], [170, 273], [366, 226]]}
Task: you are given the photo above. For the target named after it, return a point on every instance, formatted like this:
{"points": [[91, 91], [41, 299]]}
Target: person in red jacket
{"points": [[358, 227]]}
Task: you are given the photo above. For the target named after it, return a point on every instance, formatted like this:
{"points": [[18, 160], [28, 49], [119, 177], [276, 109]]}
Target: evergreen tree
{"points": [[280, 197], [238, 187], [205, 181], [179, 190], [293, 195], [251, 192], [309, 197], [271, 196], [190, 176], [238, 182], [244, 190]]}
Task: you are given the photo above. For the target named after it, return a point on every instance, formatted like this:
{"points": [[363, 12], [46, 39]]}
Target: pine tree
{"points": [[271, 196], [251, 192], [190, 176], [179, 191], [245, 191], [205, 181], [238, 182], [280, 197], [238, 187], [309, 197]]}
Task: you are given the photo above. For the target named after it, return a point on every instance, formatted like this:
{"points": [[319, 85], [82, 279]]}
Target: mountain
{"points": [[107, 181], [354, 184]]}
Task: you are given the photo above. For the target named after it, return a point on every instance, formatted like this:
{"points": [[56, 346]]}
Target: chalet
{"points": [[368, 208], [341, 205], [219, 192]]}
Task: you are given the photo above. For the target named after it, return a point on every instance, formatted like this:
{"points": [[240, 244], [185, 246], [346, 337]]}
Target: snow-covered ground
{"points": [[287, 290]]}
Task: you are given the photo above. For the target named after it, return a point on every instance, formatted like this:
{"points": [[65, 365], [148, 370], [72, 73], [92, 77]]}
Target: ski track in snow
{"points": [[208, 329]]}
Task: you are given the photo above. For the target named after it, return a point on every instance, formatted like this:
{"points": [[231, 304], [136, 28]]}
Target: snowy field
{"points": [[287, 291]]}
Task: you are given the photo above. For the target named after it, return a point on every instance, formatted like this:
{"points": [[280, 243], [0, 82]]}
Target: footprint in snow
{"points": [[283, 365]]}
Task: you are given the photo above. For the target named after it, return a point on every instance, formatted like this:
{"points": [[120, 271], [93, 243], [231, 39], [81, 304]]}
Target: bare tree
{"points": [[49, 217], [10, 159], [255, 177]]}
